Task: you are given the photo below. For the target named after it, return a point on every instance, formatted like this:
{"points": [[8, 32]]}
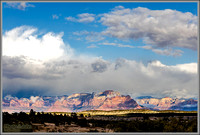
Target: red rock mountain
{"points": [[107, 100]]}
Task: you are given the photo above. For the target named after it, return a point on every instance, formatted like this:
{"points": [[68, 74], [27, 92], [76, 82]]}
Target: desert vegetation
{"points": [[88, 122]]}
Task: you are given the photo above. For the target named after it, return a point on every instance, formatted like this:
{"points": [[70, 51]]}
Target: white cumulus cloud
{"points": [[34, 99], [159, 28], [24, 41]]}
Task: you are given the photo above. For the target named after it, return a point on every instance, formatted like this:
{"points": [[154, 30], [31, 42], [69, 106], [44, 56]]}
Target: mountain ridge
{"points": [[168, 103], [106, 100]]}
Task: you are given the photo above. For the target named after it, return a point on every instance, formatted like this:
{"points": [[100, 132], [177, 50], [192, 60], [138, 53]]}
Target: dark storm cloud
{"points": [[14, 67], [99, 66]]}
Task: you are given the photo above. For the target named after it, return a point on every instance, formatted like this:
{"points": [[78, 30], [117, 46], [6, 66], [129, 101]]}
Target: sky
{"points": [[135, 48]]}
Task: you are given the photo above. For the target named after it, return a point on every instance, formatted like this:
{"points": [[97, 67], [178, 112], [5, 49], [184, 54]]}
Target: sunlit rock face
{"points": [[58, 107], [107, 100], [118, 103], [14, 103], [168, 103]]}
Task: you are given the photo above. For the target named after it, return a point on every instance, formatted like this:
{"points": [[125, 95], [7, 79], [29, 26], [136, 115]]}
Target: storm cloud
{"points": [[125, 76], [65, 73]]}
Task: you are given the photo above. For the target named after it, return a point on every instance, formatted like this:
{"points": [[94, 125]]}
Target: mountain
{"points": [[187, 105], [168, 103], [144, 97], [107, 100]]}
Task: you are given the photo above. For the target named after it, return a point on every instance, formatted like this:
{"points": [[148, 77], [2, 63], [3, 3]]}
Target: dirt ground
{"points": [[73, 128]]}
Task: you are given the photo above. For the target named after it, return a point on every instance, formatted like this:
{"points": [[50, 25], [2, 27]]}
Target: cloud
{"points": [[188, 68], [178, 93], [18, 5], [80, 33], [116, 44], [63, 73], [89, 36], [24, 41], [34, 99], [125, 76], [168, 51], [17, 67], [159, 28], [82, 18], [9, 97], [55, 16], [92, 46], [163, 30], [99, 66]]}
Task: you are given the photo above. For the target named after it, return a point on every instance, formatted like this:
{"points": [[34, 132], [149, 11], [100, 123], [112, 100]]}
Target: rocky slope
{"points": [[168, 103], [107, 100]]}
